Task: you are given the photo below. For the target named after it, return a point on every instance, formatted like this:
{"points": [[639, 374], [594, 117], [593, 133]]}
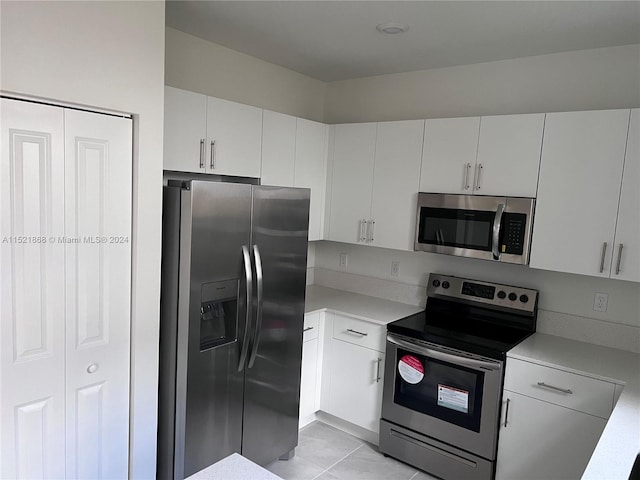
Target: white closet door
{"points": [[32, 396], [98, 285]]}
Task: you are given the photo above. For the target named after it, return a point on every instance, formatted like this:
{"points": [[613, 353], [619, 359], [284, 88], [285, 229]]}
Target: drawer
{"points": [[311, 325], [359, 332], [570, 390]]}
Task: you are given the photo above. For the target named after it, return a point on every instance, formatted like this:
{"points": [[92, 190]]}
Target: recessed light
{"points": [[392, 28]]}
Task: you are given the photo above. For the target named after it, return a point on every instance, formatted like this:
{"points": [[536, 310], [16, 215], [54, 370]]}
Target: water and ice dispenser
{"points": [[218, 314]]}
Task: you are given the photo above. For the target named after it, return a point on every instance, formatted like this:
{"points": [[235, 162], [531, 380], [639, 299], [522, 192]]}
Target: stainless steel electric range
{"points": [[444, 372]]}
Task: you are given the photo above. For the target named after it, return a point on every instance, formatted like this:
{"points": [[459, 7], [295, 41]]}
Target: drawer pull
{"points": [[357, 332], [557, 389], [307, 329]]}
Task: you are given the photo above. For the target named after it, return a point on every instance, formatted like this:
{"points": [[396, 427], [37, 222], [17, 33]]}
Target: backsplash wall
{"points": [[566, 300]]}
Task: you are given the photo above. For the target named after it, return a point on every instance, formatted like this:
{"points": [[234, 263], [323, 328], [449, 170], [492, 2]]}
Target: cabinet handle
{"points": [[604, 251], [357, 332], [478, 177], [372, 224], [307, 329], [378, 377], [202, 153], [619, 260], [466, 176], [361, 234], [212, 159], [506, 413], [557, 389]]}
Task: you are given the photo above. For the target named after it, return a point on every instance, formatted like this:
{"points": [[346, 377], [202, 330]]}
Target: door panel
{"points": [[98, 169], [32, 291], [185, 126], [272, 383], [216, 224]]}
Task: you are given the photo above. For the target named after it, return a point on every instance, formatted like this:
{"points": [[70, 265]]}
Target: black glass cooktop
{"points": [[478, 330]]}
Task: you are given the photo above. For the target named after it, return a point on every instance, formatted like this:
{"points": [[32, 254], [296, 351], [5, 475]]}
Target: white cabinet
{"points": [[578, 192], [509, 155], [626, 260], [374, 186], [234, 134], [66, 269], [551, 421], [278, 149], [210, 135], [311, 368], [354, 371], [351, 181], [493, 155], [311, 170]]}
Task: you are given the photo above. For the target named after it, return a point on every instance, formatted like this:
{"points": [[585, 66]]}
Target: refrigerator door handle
{"points": [[246, 262], [256, 338]]}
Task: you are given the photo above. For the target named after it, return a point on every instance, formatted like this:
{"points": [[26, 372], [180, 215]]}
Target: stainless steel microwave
{"points": [[490, 228]]}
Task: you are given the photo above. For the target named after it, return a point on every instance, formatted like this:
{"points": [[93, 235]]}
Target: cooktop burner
{"points": [[478, 317]]}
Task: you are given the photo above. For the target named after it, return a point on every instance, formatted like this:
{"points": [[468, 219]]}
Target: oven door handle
{"points": [[448, 357]]}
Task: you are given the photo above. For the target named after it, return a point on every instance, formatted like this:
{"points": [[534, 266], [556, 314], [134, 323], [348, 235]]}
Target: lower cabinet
{"points": [[310, 375], [551, 422]]}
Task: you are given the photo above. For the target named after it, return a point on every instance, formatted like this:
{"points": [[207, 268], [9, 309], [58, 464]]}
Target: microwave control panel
{"points": [[513, 233]]}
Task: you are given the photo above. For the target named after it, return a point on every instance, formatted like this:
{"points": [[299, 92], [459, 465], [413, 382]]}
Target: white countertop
{"points": [[359, 306], [620, 442], [234, 467]]}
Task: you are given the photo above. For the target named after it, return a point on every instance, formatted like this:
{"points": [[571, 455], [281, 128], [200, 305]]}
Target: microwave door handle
{"points": [[497, 226]]}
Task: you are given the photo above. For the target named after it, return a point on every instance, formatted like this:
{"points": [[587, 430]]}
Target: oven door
{"points": [[442, 393]]}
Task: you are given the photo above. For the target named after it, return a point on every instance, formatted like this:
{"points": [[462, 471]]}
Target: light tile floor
{"points": [[326, 453]]}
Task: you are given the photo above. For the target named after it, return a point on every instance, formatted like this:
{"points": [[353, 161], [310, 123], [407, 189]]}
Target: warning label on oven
{"points": [[411, 369], [453, 398]]}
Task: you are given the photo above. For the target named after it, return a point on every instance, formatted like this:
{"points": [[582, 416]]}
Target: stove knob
{"points": [[513, 297], [524, 298], [445, 284], [501, 294], [436, 283]]}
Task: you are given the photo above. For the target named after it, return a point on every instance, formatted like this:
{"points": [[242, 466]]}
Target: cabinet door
{"points": [[542, 440], [509, 155], [32, 320], [578, 191], [308, 378], [98, 170], [234, 138], [185, 130], [352, 180], [449, 155], [627, 242], [278, 149], [395, 184], [311, 170], [356, 384]]}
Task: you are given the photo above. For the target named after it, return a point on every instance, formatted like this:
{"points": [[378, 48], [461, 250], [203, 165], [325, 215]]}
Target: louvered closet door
{"points": [[98, 285], [32, 324]]}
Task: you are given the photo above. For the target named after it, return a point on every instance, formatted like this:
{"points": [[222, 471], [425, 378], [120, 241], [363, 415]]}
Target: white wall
{"points": [[582, 80], [204, 67], [110, 55]]}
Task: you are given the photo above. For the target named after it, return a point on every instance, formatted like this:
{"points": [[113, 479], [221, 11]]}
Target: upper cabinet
{"points": [[496, 155], [509, 155], [375, 178], [310, 170], [626, 260], [278, 149], [210, 135], [578, 193]]}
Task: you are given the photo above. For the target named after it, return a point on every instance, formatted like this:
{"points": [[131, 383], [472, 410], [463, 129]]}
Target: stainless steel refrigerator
{"points": [[232, 307]]}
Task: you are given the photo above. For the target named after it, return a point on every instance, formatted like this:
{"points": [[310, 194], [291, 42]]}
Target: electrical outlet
{"points": [[600, 302], [395, 268], [343, 260]]}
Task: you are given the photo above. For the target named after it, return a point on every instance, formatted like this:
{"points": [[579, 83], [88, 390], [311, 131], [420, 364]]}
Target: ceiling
{"points": [[338, 40]]}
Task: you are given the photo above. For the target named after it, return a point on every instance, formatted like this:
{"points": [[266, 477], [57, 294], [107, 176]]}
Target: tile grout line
{"points": [[334, 464]]}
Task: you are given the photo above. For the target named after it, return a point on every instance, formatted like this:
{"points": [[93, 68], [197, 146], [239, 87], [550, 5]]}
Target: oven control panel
{"points": [[487, 293]]}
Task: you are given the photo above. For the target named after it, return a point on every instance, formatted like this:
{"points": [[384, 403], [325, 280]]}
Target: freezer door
{"points": [[280, 224], [216, 226]]}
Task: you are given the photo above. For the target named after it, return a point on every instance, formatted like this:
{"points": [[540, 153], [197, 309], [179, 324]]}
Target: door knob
{"points": [[93, 368]]}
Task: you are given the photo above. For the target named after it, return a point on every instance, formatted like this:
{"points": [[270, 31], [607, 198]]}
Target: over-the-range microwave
{"points": [[490, 228]]}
